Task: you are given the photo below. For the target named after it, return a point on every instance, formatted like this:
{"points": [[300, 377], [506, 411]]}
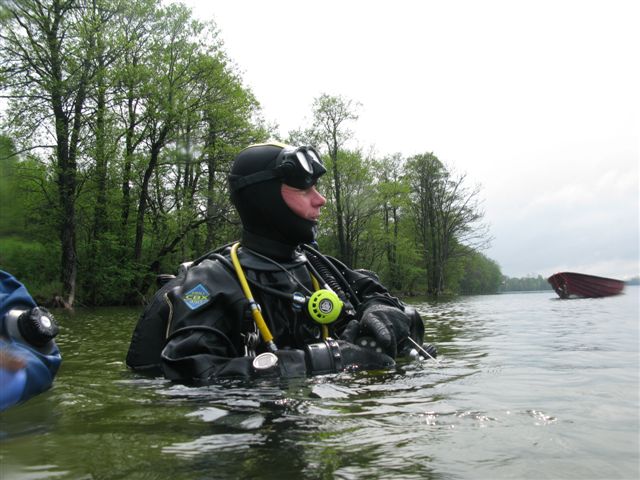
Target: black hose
{"points": [[212, 253], [258, 285], [325, 275], [330, 273]]}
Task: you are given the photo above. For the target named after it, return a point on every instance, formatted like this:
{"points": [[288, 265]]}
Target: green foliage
{"points": [[9, 187], [27, 238], [149, 113], [481, 275], [30, 261], [524, 284], [445, 216], [358, 207], [132, 117], [22, 193]]}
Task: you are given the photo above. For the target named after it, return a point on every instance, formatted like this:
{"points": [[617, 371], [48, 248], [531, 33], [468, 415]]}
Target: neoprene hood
{"points": [[255, 182]]}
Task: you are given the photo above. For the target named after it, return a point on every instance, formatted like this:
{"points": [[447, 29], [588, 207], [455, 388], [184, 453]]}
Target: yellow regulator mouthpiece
{"points": [[324, 306]]}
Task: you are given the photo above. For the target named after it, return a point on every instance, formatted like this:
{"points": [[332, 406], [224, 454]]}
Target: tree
{"points": [[167, 98], [529, 283], [446, 215], [393, 194], [132, 75], [9, 188], [131, 114], [126, 107], [47, 55], [358, 203], [330, 117], [214, 116], [102, 145], [230, 113], [480, 275]]}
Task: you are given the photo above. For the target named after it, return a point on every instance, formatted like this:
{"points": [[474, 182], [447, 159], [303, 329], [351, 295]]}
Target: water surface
{"points": [[528, 386]]}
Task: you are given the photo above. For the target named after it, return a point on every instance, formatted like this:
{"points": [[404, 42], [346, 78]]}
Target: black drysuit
{"points": [[199, 328]]}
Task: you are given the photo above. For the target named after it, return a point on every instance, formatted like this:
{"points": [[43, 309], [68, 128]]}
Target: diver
{"points": [[29, 356], [272, 304]]}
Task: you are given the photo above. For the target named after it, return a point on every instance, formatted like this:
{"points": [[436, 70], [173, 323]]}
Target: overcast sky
{"points": [[537, 101]]}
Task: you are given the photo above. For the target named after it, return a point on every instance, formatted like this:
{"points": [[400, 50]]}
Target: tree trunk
{"points": [[342, 243], [395, 268], [142, 202], [66, 149], [128, 159], [211, 179], [100, 210]]}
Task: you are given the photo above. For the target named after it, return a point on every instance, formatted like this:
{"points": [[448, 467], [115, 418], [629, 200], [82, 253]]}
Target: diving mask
{"points": [[297, 167]]}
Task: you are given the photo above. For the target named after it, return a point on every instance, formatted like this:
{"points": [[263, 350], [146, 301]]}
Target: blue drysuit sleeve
{"points": [[25, 370]]}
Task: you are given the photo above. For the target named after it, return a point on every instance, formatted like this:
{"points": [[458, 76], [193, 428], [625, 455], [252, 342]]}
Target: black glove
{"points": [[358, 358], [333, 356], [428, 351], [416, 329], [388, 326]]}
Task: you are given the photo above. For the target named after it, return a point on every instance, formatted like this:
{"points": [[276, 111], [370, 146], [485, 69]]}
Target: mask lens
{"points": [[314, 156], [304, 162]]}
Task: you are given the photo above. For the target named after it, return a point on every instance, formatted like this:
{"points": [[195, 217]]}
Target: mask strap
{"points": [[238, 182]]}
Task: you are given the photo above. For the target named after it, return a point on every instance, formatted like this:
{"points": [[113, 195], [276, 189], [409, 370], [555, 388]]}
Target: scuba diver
{"points": [[29, 357], [272, 304]]}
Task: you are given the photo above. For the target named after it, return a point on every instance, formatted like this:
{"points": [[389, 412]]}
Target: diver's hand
{"points": [[388, 326], [10, 361], [358, 358]]}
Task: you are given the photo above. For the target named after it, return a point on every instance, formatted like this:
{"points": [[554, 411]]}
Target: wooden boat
{"points": [[580, 285]]}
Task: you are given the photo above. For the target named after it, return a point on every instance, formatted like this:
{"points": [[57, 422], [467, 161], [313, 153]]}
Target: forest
{"points": [[120, 121]]}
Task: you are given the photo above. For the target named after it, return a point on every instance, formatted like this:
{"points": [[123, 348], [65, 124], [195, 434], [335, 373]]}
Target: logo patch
{"points": [[196, 297]]}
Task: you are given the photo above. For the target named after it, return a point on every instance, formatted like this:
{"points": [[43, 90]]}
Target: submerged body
{"points": [[199, 328], [279, 307]]}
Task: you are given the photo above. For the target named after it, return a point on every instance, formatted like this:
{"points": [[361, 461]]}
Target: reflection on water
{"points": [[527, 387]]}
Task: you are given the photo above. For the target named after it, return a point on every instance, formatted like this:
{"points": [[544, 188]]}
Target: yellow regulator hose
{"points": [[255, 308]]}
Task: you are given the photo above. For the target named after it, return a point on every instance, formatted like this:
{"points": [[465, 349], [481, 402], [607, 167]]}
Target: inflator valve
{"points": [[36, 327]]}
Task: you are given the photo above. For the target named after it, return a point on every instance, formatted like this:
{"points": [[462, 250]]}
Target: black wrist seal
{"points": [[324, 357]]}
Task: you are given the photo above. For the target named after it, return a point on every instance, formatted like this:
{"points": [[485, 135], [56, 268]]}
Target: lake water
{"points": [[528, 386]]}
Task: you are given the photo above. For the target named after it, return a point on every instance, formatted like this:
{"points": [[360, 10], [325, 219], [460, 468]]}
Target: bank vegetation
{"points": [[121, 122]]}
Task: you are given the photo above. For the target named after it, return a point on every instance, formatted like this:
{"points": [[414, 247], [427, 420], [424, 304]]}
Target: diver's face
{"points": [[304, 203]]}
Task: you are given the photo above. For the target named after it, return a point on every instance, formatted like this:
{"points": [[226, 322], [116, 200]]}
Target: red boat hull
{"points": [[580, 285]]}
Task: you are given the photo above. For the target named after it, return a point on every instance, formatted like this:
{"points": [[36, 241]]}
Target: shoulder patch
{"points": [[197, 297]]}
